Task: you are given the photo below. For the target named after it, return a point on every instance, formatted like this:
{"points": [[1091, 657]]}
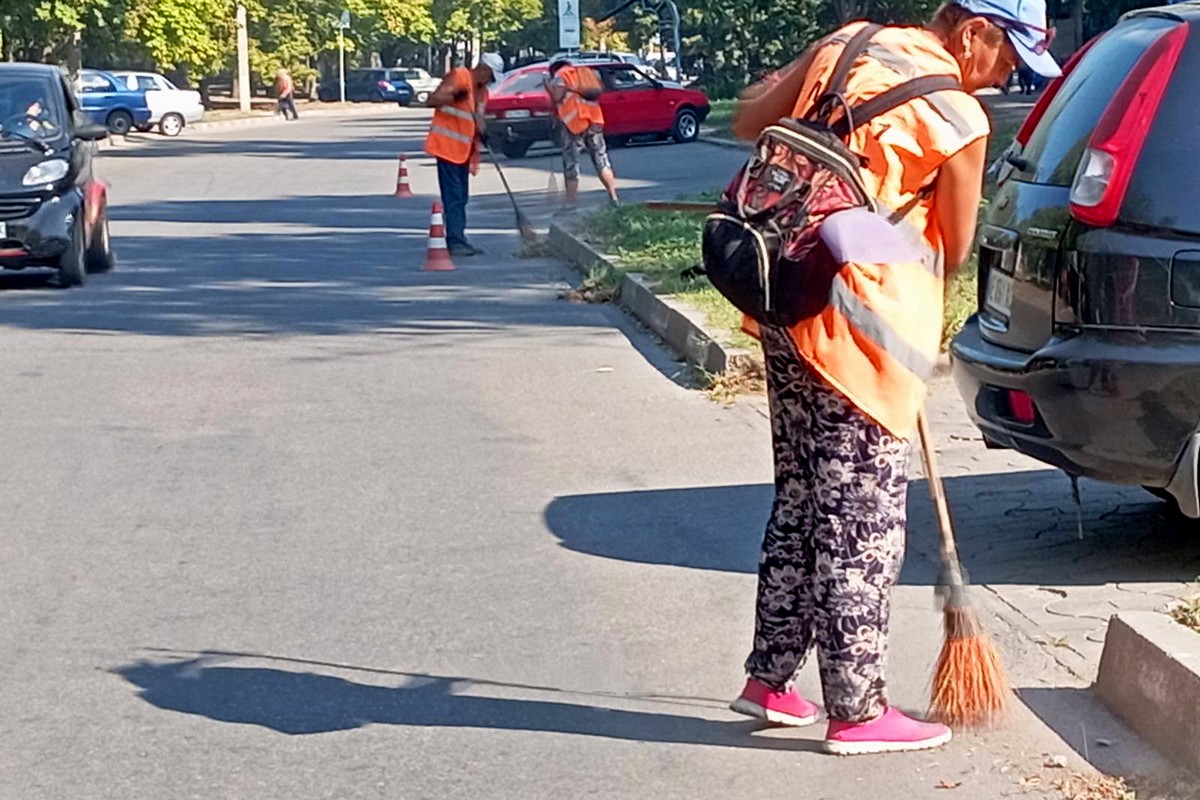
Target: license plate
{"points": [[521, 113], [3, 230], [999, 294]]}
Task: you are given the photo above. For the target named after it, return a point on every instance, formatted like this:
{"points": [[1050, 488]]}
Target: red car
{"points": [[636, 106]]}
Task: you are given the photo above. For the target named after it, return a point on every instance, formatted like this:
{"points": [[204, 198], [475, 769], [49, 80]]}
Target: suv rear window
{"points": [[1164, 190], [1058, 142]]}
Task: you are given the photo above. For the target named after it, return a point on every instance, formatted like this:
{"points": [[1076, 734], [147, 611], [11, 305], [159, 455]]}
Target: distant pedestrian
{"points": [[1027, 79], [285, 90], [576, 93], [458, 124], [845, 385]]}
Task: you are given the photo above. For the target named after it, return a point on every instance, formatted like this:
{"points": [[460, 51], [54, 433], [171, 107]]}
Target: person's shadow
{"points": [[298, 703]]}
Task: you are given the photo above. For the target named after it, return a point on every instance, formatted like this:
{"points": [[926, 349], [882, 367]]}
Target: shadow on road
{"points": [[298, 703], [1022, 542]]}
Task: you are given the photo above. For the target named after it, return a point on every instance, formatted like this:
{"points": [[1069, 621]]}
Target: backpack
{"points": [[763, 248]]}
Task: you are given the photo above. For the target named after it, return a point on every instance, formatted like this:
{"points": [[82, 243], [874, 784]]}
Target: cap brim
{"points": [[1026, 44]]}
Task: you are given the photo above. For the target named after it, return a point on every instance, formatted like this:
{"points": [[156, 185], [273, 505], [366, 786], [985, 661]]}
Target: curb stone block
{"points": [[675, 322], [1150, 676]]}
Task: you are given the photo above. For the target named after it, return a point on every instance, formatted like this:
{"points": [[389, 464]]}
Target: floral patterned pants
{"points": [[835, 541]]}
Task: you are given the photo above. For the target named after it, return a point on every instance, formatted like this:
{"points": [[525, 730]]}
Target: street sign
{"points": [[344, 21], [568, 24]]}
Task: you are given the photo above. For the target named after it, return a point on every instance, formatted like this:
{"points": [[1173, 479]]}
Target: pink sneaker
{"points": [[780, 708], [894, 732]]}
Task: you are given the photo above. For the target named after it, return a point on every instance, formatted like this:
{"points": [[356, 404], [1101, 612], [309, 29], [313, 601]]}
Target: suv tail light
{"points": [[1107, 165]]}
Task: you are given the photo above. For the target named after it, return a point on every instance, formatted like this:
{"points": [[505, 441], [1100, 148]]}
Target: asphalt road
{"points": [[286, 517]]}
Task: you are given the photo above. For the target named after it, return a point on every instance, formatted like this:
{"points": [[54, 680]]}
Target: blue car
{"points": [[368, 85], [110, 102]]}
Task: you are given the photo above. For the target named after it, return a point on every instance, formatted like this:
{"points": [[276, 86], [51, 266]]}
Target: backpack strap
{"points": [[893, 98], [855, 48]]}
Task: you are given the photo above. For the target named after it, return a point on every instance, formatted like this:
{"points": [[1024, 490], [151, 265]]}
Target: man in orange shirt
{"points": [[285, 90], [458, 124], [576, 93]]}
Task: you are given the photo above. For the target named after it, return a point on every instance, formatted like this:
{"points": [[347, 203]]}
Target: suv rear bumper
{"points": [[1122, 407]]}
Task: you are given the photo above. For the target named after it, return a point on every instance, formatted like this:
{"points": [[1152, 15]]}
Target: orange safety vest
{"points": [[877, 339], [577, 113], [452, 133]]}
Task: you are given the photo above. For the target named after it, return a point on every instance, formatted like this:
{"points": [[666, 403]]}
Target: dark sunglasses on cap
{"points": [[1039, 47]]}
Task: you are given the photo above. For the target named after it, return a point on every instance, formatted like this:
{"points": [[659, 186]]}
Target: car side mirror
{"points": [[91, 133]]}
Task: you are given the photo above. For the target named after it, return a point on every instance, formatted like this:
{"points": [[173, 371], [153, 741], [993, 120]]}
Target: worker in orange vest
{"points": [[576, 92], [846, 384], [458, 123]]}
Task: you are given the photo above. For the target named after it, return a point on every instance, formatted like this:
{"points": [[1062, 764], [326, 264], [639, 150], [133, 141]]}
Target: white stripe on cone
{"points": [[437, 220], [437, 243]]}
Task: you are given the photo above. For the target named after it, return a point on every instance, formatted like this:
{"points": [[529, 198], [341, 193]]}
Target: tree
{"points": [[603, 35], [192, 36]]}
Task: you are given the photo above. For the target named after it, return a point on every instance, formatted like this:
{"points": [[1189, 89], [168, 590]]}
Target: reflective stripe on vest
{"points": [[452, 132], [878, 330]]}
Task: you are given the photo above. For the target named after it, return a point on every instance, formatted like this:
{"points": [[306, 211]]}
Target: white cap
{"points": [[494, 62]]}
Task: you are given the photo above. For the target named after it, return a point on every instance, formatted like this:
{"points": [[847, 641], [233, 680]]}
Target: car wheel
{"points": [[143, 128], [171, 125], [516, 149], [119, 123], [71, 266], [100, 257], [422, 97], [687, 126]]}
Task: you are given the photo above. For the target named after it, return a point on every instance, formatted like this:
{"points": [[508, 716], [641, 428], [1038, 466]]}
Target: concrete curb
{"points": [[381, 109], [1150, 676], [720, 141], [677, 323]]}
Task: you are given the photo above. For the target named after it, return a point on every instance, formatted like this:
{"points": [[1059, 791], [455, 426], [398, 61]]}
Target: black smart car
{"points": [[1085, 351], [53, 213]]}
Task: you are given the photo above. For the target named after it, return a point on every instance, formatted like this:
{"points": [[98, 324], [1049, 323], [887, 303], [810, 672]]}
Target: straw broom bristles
{"points": [[970, 687]]}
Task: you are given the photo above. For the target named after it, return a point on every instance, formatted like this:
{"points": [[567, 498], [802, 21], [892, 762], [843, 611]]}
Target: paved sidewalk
{"points": [[1060, 571]]}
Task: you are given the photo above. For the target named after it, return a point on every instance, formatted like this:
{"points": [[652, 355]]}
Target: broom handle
{"points": [[938, 493]]}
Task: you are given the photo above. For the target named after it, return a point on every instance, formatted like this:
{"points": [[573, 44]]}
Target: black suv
{"points": [[53, 213], [1085, 352]]}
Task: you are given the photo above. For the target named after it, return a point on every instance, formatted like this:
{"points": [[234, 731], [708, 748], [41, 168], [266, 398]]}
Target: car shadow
{"points": [[1010, 536]]}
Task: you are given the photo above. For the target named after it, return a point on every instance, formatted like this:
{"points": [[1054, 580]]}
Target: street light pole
{"points": [[342, 61]]}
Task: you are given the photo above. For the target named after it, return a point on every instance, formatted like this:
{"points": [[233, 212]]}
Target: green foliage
{"points": [[192, 35]]}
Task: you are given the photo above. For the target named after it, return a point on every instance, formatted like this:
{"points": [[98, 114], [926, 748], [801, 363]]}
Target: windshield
{"points": [[28, 108]]}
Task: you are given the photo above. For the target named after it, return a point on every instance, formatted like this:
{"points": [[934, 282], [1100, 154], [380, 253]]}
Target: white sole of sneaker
{"points": [[744, 706], [869, 748]]}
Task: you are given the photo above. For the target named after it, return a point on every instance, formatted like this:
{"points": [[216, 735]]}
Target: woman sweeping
{"points": [[845, 385]]}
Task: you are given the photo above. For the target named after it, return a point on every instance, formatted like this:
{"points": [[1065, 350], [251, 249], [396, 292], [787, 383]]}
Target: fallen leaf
{"points": [[1031, 780], [949, 784]]}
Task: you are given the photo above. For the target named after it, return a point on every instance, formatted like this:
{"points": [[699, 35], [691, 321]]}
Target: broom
{"points": [[524, 227], [969, 684]]}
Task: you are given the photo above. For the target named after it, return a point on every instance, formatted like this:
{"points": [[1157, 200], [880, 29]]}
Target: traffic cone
{"points": [[437, 257], [402, 187]]}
